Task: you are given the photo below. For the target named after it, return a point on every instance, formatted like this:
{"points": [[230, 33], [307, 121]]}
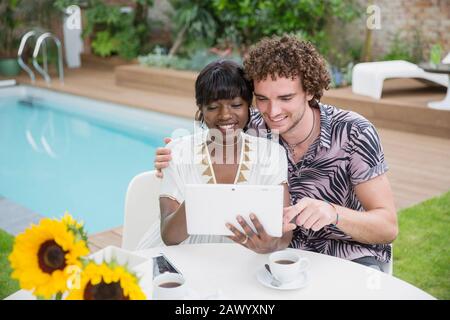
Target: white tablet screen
{"points": [[210, 207]]}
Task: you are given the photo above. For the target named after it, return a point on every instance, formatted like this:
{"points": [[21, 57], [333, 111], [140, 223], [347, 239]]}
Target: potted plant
{"points": [[114, 30], [9, 40]]}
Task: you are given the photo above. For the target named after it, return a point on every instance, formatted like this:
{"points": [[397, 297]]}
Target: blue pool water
{"points": [[69, 153]]}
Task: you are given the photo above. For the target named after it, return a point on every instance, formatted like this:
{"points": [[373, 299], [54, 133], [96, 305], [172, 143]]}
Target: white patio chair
{"points": [[368, 77], [141, 208]]}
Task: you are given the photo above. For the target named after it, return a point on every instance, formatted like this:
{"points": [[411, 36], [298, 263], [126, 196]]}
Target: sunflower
{"points": [[44, 255], [71, 222], [107, 282]]}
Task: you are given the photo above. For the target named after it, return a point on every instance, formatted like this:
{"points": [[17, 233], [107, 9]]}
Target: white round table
{"points": [[232, 269]]}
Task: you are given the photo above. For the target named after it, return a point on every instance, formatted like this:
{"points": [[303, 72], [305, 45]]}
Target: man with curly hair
{"points": [[341, 199]]}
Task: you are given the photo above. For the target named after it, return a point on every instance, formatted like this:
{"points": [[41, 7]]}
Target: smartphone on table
{"points": [[162, 265]]}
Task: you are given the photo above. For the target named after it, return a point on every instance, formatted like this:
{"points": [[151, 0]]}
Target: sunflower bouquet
{"points": [[51, 260], [48, 256], [107, 281]]}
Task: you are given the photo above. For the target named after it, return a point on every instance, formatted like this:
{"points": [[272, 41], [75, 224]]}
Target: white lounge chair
{"points": [[141, 208], [368, 77]]}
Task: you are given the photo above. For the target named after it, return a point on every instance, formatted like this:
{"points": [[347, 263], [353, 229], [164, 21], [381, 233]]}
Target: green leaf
{"points": [[103, 45]]}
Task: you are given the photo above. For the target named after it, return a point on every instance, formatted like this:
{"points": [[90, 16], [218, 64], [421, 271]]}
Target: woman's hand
{"points": [[311, 214], [162, 158], [258, 241]]}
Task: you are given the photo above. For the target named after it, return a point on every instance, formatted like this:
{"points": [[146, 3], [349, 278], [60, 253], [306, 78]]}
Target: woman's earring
{"points": [[199, 118], [202, 120]]}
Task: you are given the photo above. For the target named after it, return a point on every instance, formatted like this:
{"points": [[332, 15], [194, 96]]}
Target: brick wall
{"points": [[420, 22], [424, 22]]}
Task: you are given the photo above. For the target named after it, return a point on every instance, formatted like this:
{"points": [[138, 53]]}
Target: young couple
{"points": [[338, 199]]}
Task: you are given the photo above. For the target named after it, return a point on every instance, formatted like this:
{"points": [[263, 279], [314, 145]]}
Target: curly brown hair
{"points": [[288, 57]]}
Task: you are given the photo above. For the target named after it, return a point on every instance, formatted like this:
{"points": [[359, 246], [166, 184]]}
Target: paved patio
{"points": [[419, 164]]}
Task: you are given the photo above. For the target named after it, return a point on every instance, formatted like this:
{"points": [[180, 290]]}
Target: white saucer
{"points": [[264, 277]]}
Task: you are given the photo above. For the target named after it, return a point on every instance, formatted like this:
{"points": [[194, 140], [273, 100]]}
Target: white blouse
{"points": [[261, 162]]}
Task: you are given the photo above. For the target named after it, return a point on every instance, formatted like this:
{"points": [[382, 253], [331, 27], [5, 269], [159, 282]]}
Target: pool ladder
{"points": [[41, 41]]}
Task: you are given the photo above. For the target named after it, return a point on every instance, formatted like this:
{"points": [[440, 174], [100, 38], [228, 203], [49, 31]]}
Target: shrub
{"points": [[246, 22], [197, 62], [112, 30], [399, 50], [161, 60]]}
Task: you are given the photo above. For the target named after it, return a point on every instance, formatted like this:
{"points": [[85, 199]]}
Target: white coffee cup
{"points": [[287, 265], [169, 286]]}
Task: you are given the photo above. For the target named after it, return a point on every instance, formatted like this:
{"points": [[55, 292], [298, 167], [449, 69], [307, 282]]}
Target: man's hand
{"points": [[162, 158], [258, 241], [310, 214]]}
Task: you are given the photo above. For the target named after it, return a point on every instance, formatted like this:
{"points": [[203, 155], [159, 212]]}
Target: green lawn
{"points": [[7, 285], [421, 251]]}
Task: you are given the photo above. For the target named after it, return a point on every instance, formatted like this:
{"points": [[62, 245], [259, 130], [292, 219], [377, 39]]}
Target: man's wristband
{"points": [[335, 210], [337, 219]]}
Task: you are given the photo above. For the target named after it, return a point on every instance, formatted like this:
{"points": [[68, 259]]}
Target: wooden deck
{"points": [[419, 164], [403, 106], [100, 83], [100, 240]]}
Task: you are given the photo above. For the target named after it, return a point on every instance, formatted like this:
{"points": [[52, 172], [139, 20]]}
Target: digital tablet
{"points": [[210, 206]]}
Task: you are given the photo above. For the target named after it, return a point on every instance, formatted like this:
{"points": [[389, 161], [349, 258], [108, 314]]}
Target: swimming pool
{"points": [[62, 152]]}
